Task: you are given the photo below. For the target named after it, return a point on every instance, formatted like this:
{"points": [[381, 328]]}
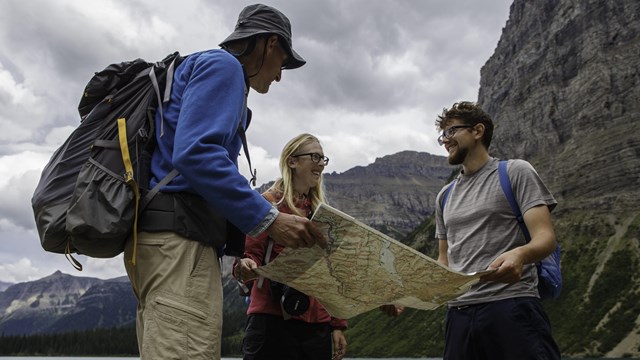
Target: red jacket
{"points": [[261, 300]]}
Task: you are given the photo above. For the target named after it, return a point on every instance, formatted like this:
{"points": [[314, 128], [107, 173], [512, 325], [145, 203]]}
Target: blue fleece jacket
{"points": [[200, 139]]}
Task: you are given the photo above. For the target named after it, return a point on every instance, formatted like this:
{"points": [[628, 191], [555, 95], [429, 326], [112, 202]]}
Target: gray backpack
{"points": [[95, 185]]}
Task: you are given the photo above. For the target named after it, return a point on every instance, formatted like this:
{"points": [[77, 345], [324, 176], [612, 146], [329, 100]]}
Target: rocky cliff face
{"points": [[563, 88], [394, 194]]}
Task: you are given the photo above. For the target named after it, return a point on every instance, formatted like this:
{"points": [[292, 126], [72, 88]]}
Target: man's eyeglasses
{"points": [[448, 134], [315, 157], [285, 61]]}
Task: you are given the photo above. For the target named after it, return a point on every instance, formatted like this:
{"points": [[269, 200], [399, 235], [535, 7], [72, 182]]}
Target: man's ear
{"points": [[272, 41], [479, 130]]}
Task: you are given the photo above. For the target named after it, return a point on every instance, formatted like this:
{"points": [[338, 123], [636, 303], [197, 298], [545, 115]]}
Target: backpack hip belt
{"points": [[187, 215]]}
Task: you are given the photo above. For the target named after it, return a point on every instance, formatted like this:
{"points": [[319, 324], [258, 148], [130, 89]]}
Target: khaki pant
{"points": [[179, 289]]}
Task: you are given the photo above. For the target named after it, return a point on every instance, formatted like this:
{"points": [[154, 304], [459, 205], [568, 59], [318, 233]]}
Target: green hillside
{"points": [[600, 294]]}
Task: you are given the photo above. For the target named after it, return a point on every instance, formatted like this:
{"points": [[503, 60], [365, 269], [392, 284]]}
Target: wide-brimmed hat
{"points": [[263, 19]]}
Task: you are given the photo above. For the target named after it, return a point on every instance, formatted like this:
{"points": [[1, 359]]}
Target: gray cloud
{"points": [[378, 72], [14, 211]]}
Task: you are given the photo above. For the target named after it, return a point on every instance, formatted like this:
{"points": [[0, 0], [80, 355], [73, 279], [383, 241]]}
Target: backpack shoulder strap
{"points": [[505, 183], [243, 136], [245, 147], [175, 60], [147, 199], [445, 196]]}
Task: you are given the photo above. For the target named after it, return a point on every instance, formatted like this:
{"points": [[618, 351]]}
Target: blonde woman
{"points": [[271, 332]]}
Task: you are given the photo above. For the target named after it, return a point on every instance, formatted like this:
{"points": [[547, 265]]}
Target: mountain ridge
{"points": [[61, 302]]}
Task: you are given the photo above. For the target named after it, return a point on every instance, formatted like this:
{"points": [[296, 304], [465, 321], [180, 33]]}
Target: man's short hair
{"points": [[469, 113]]}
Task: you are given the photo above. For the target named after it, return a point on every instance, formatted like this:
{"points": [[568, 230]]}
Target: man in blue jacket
{"points": [[177, 278]]}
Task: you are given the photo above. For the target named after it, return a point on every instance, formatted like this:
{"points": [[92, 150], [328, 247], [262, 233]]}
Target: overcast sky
{"points": [[377, 74]]}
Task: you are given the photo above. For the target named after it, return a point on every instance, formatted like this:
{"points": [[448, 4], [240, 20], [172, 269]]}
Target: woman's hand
{"points": [[339, 344], [244, 270]]}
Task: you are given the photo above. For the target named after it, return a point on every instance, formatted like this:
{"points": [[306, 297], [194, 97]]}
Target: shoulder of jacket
{"points": [[217, 57]]}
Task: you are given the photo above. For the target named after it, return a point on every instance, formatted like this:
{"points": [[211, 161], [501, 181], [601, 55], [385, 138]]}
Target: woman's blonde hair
{"points": [[284, 185]]}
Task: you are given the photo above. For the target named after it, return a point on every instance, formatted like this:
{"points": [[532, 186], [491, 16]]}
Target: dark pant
{"points": [[271, 337], [510, 329]]}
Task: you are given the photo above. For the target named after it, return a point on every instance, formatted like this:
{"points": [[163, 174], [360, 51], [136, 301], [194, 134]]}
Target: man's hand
{"points": [[508, 268], [543, 242], [295, 231]]}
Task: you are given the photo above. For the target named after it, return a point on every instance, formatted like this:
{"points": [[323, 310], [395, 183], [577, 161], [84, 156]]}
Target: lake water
{"points": [[130, 358], [133, 358]]}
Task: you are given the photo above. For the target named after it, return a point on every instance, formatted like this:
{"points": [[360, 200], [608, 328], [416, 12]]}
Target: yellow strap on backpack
{"points": [[128, 177]]}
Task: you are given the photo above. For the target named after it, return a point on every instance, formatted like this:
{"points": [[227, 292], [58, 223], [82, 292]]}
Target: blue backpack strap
{"points": [[549, 273], [506, 188], [446, 194]]}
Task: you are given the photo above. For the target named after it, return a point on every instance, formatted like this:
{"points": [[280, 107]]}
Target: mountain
{"points": [[394, 194], [563, 89], [562, 86], [63, 303], [4, 285]]}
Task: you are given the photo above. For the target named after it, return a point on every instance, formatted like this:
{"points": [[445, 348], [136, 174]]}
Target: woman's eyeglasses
{"points": [[315, 157]]}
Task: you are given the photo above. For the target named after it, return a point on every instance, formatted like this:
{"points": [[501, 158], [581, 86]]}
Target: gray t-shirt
{"points": [[479, 225]]}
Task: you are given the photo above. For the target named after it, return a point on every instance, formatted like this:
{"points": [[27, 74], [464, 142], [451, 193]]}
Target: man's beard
{"points": [[458, 156]]}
